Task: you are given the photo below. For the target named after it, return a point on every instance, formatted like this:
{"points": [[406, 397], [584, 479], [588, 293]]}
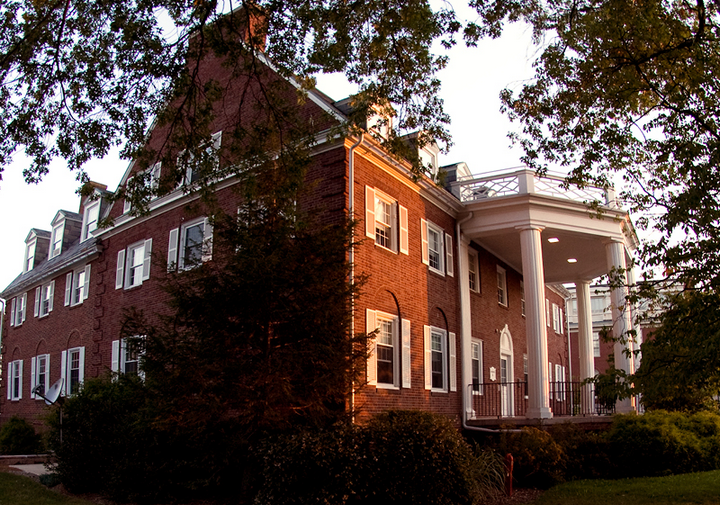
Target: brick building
{"points": [[464, 281]]}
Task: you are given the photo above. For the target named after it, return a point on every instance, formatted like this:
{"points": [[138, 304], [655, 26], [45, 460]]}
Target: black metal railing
{"points": [[510, 399]]}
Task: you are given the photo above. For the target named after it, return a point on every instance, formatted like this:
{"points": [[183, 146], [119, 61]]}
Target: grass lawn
{"points": [[19, 490], [691, 488]]}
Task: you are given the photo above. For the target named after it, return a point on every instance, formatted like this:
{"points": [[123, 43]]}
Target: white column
{"points": [[615, 251], [585, 343], [534, 281], [465, 325]]}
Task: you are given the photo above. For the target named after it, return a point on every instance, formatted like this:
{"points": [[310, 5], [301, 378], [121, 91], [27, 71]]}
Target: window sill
{"points": [[380, 246], [439, 391], [436, 271], [387, 386]]}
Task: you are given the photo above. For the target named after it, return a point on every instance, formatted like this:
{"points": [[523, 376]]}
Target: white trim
{"points": [[502, 291], [406, 354], [449, 267]]}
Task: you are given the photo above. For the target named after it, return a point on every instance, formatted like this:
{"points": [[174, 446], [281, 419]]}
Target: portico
{"points": [[551, 235]]}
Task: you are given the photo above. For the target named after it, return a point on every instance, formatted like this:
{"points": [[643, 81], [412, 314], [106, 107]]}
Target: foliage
{"points": [[587, 452], [661, 443], [538, 459], [680, 368], [17, 436], [398, 457], [78, 77]]}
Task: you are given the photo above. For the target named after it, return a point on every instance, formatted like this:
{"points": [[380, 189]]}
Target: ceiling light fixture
{"points": [[572, 260], [552, 240]]}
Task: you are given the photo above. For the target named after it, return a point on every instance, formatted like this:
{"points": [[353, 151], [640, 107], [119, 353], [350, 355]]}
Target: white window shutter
{"points": [[146, 260], [453, 363], [19, 392], [371, 326], [424, 238], [47, 372], [126, 206], [172, 249], [63, 372], [12, 314], [115, 364], [38, 294], [81, 372], [120, 269], [86, 286], [428, 357], [207, 241], [449, 267], [404, 237], [52, 296], [406, 375], [370, 212], [32, 377], [24, 307], [9, 381], [68, 288]]}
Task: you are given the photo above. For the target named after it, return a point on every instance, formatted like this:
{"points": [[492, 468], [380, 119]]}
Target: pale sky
{"points": [[471, 85]]}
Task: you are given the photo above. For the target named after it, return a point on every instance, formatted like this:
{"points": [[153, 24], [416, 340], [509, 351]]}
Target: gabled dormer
{"points": [[36, 248], [428, 153], [65, 230], [378, 121], [92, 207]]}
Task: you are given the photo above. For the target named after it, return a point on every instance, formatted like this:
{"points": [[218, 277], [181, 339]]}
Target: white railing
{"points": [[526, 181]]}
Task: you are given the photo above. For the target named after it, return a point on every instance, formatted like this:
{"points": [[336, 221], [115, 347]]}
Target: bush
{"points": [[17, 436], [663, 443], [538, 461], [400, 457], [587, 453]]}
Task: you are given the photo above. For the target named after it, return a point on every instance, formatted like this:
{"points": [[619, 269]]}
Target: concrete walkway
{"points": [[33, 469]]}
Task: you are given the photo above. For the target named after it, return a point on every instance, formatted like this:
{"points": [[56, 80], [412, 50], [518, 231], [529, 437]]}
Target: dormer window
{"points": [[192, 169], [57, 239], [90, 219], [29, 255]]}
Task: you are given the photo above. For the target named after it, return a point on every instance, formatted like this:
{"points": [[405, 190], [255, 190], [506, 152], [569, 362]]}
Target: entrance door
{"points": [[506, 391]]}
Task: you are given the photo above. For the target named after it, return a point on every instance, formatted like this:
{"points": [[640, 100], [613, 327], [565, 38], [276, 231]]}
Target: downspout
{"points": [[461, 262], [351, 255]]}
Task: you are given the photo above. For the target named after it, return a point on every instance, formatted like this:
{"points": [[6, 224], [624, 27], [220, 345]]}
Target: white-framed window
{"points": [[386, 221], [77, 286], [56, 239], [437, 248], [525, 373], [44, 296], [502, 286], [547, 312], [522, 298], [598, 305], [388, 363], [14, 374], [29, 262], [91, 216], [440, 360], [560, 382], [194, 247], [476, 365], [126, 355], [39, 375], [473, 270], [151, 178], [557, 318], [17, 310], [187, 160], [72, 369], [596, 344], [133, 265]]}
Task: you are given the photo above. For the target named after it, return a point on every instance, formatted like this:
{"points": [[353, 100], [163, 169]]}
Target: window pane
{"points": [[192, 254]]}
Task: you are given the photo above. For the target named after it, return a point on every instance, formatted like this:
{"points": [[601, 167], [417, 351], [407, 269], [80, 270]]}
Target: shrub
{"points": [[400, 457], [538, 461], [587, 453], [17, 436], [662, 443]]}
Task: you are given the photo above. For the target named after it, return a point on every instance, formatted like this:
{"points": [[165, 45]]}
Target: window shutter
{"points": [[81, 372], [120, 270], [47, 372], [404, 238], [63, 372], [207, 241], [370, 212], [126, 206], [9, 381], [172, 250], [86, 286], [12, 313], [115, 364], [68, 288], [406, 353], [453, 363], [19, 392], [428, 357], [371, 326], [24, 307], [449, 267], [424, 238], [146, 260], [38, 293], [51, 295], [32, 377]]}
